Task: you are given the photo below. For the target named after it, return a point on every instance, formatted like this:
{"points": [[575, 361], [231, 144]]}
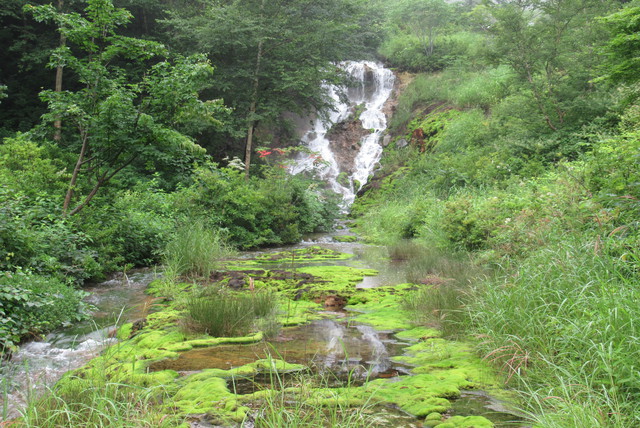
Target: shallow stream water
{"points": [[38, 364], [347, 352]]}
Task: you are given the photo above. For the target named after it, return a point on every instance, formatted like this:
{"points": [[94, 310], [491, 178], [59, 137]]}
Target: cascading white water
{"points": [[373, 88]]}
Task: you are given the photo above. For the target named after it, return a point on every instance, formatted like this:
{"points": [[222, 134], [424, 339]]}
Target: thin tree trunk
{"points": [[252, 111], [430, 41], [539, 100], [76, 172], [101, 181], [57, 124], [252, 107]]}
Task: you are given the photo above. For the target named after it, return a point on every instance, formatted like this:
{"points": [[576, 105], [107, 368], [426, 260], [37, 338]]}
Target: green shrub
{"points": [[273, 210], [130, 226], [34, 236], [33, 304], [463, 225], [407, 53], [27, 168]]}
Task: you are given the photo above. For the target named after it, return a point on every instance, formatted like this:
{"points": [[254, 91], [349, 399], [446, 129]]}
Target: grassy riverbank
{"points": [[548, 219]]}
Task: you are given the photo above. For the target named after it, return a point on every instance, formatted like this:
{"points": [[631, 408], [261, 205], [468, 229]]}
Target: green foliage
{"points": [[121, 113], [271, 211], [26, 167], [194, 251], [33, 304], [34, 236], [407, 53], [621, 50], [221, 313], [462, 225], [130, 227], [416, 27]]}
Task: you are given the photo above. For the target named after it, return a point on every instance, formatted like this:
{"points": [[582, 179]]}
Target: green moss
{"points": [[383, 312], [340, 280], [449, 358], [296, 312], [214, 341], [124, 331], [435, 416], [466, 422], [207, 391], [345, 238], [419, 333], [308, 254], [160, 287]]}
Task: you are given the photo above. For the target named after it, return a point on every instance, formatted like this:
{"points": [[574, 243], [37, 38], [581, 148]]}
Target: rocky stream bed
{"points": [[344, 338]]}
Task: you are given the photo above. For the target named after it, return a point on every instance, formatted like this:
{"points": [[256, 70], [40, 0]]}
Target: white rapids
{"points": [[374, 85]]}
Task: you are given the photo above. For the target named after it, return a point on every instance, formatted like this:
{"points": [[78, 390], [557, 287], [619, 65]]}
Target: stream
{"points": [[38, 364], [347, 351]]}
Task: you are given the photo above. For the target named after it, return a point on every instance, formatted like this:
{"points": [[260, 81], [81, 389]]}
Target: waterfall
{"points": [[373, 86]]}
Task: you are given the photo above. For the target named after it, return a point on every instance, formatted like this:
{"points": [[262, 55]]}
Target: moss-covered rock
{"points": [[345, 238], [308, 254], [441, 368], [466, 422]]}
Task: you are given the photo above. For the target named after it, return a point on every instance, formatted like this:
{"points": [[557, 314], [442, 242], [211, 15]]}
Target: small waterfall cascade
{"points": [[372, 88]]}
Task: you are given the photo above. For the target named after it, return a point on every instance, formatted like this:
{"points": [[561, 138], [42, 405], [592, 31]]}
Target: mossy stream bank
{"points": [[343, 350]]}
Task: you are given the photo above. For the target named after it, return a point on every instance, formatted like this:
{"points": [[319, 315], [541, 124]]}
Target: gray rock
{"points": [[402, 143], [386, 140]]}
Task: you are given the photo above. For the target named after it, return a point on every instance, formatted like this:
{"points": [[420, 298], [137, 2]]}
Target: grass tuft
{"points": [[194, 251], [224, 313]]}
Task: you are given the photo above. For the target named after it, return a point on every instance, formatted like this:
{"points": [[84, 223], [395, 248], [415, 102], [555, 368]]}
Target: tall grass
{"points": [[223, 313], [569, 312], [445, 280], [194, 250], [101, 404], [307, 400]]}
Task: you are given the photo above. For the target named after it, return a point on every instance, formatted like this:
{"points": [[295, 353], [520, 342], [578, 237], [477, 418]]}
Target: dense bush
{"points": [[33, 236], [33, 304], [130, 226], [407, 53], [272, 211]]}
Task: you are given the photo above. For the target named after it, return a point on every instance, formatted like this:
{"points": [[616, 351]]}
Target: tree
{"points": [[271, 56], [550, 46], [425, 19], [133, 103], [622, 52]]}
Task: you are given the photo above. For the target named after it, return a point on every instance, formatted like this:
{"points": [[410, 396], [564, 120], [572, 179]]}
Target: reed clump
{"points": [[223, 313]]}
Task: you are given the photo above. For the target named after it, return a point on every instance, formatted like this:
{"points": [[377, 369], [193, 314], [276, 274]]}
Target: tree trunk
{"points": [[252, 107], [57, 124], [430, 41], [76, 172]]}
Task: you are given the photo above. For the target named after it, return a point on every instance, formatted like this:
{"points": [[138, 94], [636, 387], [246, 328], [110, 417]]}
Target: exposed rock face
{"points": [[344, 140]]}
